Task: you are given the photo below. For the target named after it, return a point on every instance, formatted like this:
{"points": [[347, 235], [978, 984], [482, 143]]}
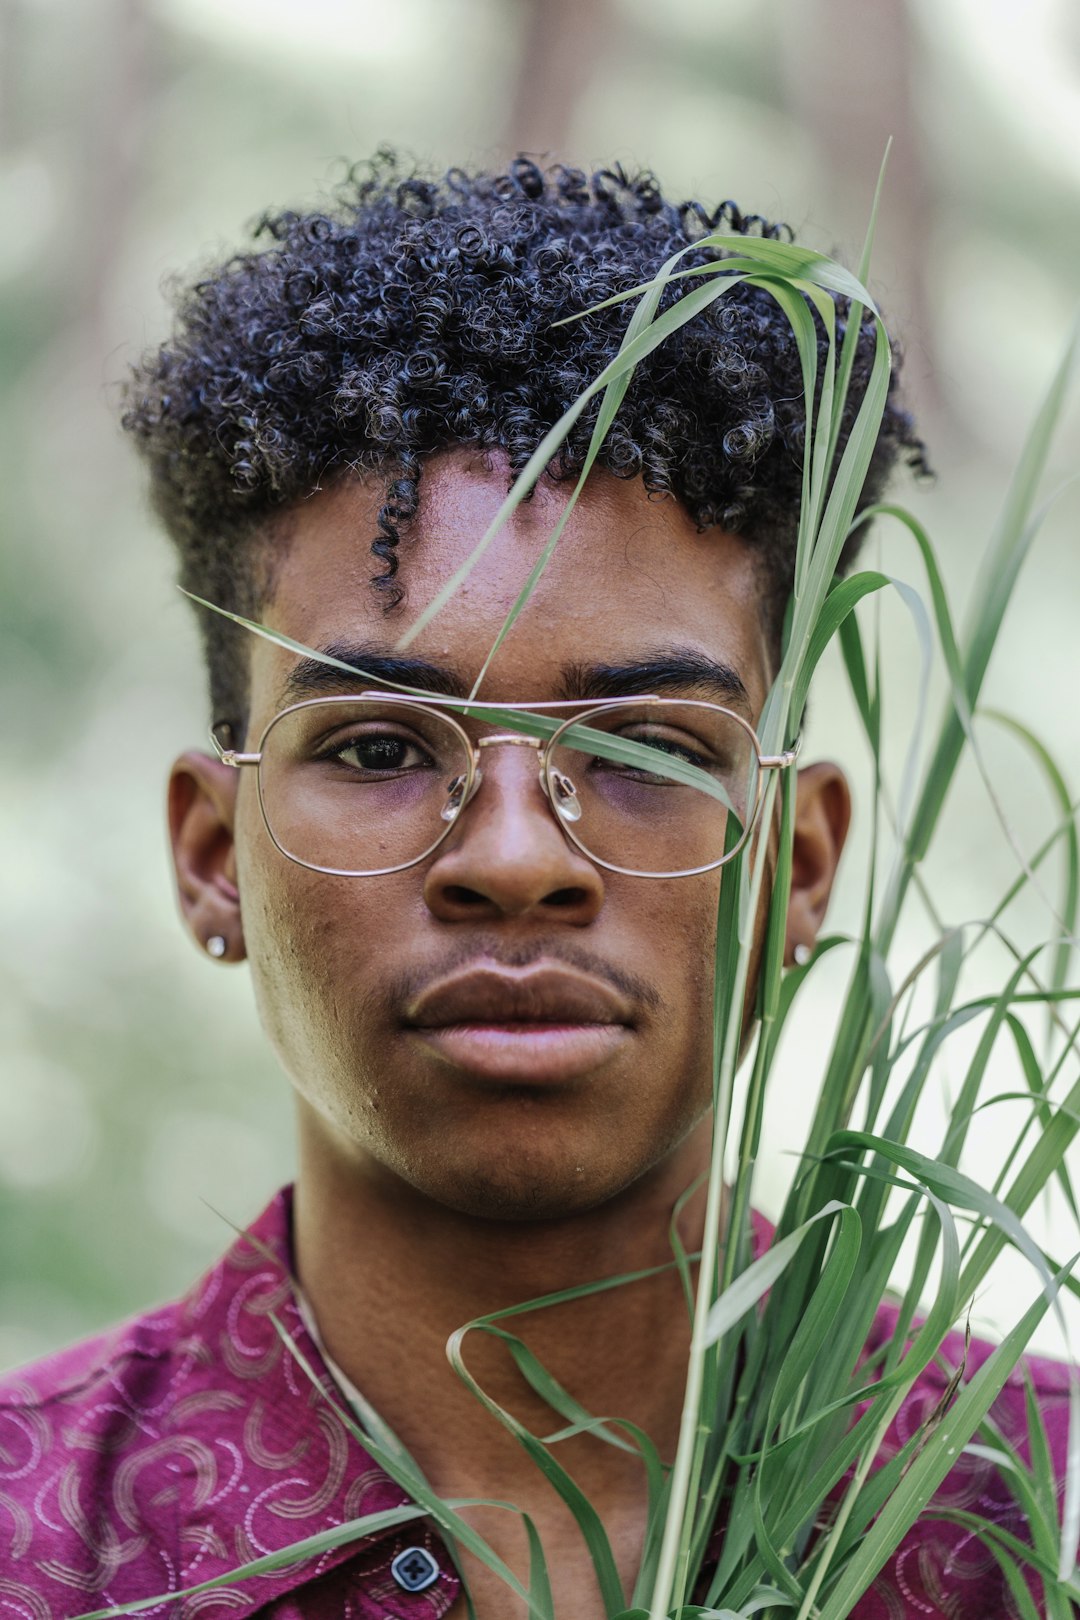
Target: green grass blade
{"points": [[750, 1286], [541, 1601], [1069, 911], [997, 577], [784, 260], [371, 1524], [655, 333], [928, 1471], [849, 348]]}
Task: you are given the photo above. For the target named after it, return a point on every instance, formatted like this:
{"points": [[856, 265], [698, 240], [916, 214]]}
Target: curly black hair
{"points": [[416, 312]]}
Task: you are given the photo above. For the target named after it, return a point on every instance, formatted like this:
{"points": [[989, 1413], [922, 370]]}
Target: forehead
{"points": [[630, 575]]}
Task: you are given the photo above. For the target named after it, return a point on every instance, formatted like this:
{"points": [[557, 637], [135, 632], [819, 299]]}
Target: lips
{"points": [[543, 1024]]}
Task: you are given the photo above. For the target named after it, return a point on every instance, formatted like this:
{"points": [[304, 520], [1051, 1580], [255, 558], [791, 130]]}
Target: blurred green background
{"points": [[137, 137]]}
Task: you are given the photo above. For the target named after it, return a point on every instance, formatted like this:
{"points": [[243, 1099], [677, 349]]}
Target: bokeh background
{"points": [[138, 1103]]}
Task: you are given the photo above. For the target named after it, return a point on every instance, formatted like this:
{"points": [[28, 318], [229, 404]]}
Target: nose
{"points": [[507, 857]]}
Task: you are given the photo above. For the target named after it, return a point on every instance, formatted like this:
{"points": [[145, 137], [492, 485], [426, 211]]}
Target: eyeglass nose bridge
{"points": [[514, 738], [559, 791]]}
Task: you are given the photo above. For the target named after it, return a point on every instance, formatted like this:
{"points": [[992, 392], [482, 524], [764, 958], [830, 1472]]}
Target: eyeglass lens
{"points": [[369, 785], [665, 811]]}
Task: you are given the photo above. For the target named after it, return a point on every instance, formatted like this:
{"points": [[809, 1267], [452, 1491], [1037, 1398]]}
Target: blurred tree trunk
{"points": [[561, 43], [850, 71], [114, 117], [9, 54]]}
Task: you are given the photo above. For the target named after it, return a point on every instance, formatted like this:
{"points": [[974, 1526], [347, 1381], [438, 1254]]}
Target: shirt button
{"points": [[414, 1569]]}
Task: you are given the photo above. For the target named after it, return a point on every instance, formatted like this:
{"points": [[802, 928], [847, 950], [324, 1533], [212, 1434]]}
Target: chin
{"points": [[509, 1193]]}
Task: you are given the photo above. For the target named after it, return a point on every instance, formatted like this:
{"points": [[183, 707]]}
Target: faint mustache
{"points": [[498, 953]]}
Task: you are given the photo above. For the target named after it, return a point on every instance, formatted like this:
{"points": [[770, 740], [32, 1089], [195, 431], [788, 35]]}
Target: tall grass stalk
{"points": [[780, 1438]]}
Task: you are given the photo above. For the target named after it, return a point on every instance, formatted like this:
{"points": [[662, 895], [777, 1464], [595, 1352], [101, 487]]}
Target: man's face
{"points": [[408, 1008]]}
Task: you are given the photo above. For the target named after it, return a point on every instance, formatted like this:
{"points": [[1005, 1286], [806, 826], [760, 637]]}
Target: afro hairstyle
{"points": [[416, 312]]}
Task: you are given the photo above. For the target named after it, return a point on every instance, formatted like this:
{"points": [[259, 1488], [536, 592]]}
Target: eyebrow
{"points": [[312, 678], [666, 669]]}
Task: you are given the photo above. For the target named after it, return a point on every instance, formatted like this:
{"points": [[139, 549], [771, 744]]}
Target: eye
{"points": [[662, 741], [667, 743], [378, 753]]}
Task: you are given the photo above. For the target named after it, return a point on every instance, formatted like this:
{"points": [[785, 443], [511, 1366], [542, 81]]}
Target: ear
{"points": [[822, 817], [202, 809]]}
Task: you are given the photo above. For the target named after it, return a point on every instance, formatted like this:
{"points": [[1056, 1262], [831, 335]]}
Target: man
{"points": [[497, 1025]]}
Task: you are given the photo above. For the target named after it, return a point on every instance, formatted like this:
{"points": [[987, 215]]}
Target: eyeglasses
{"points": [[361, 786]]}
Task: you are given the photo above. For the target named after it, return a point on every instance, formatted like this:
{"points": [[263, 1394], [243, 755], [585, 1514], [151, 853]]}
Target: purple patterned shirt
{"points": [[188, 1441]]}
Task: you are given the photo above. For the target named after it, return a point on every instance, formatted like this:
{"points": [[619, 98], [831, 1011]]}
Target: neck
{"points": [[390, 1275]]}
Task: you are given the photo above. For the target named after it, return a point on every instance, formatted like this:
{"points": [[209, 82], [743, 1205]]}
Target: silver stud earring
{"points": [[801, 954], [217, 945]]}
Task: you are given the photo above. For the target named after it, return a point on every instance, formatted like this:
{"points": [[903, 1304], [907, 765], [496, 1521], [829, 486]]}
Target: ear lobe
{"points": [[822, 818], [201, 810]]}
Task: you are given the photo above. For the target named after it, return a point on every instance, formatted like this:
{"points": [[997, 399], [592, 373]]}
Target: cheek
{"points": [[310, 941], [683, 937], [678, 931]]}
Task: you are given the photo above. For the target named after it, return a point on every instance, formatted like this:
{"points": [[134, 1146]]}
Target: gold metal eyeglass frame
{"points": [[557, 789]]}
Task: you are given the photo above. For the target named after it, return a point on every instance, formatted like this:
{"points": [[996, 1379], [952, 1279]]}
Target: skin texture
{"points": [[430, 1192]]}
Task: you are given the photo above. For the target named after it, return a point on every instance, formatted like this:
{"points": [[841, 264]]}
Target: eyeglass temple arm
{"points": [[779, 762], [229, 756]]}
